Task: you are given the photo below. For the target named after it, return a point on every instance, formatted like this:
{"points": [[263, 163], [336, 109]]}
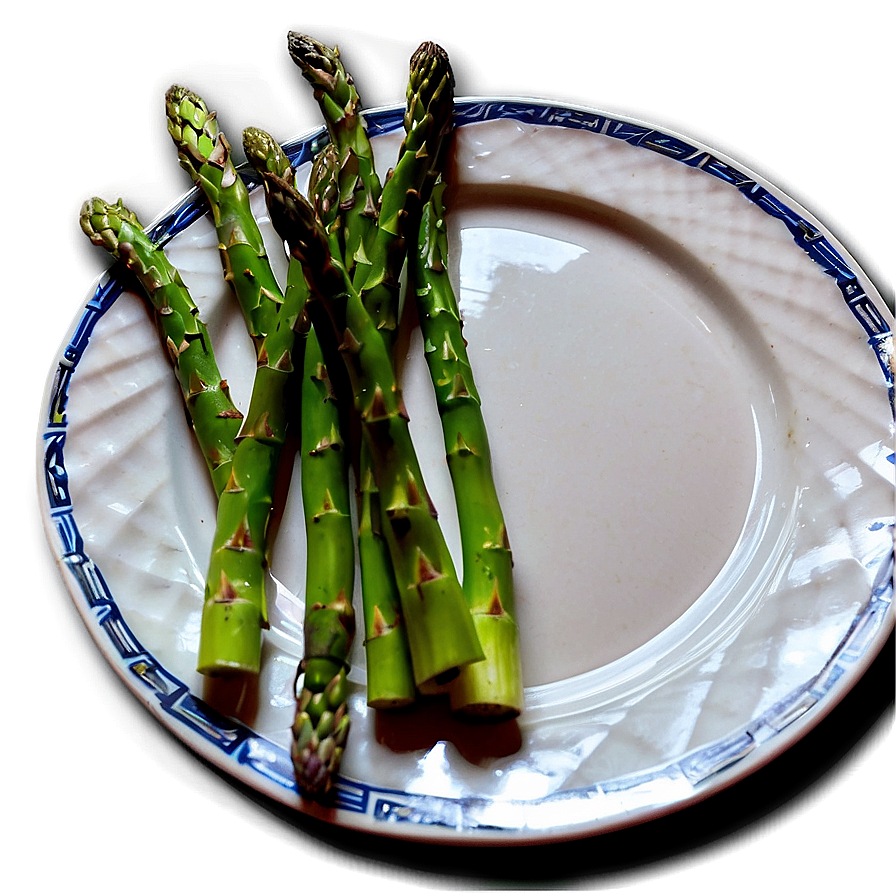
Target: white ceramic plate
{"points": [[688, 387]]}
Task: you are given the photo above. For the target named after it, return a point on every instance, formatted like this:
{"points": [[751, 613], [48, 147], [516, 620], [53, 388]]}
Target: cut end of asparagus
{"points": [[390, 682], [492, 690], [230, 638], [439, 684], [441, 635]]}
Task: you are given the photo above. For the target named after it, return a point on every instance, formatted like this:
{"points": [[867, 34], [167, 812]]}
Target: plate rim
{"points": [[867, 305]]}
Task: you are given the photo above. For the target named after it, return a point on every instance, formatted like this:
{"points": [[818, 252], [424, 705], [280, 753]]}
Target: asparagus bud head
{"points": [[265, 154], [431, 85], [323, 69], [102, 222], [320, 731], [194, 129], [323, 186]]}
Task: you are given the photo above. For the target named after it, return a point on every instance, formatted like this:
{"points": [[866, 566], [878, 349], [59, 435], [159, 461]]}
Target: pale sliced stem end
{"points": [[441, 635], [230, 639], [493, 689], [390, 682]]}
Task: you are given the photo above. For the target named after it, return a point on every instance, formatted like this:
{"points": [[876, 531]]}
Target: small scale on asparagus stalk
{"points": [[492, 688], [214, 417]]}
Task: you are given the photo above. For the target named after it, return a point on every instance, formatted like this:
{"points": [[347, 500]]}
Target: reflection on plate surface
{"points": [[687, 386]]}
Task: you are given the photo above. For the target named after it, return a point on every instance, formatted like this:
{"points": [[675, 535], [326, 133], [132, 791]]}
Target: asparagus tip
{"points": [[319, 732], [312, 56]]}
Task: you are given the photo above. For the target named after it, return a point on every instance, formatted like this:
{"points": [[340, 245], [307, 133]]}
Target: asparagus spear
{"points": [[235, 606], [359, 184], [390, 677], [428, 120], [205, 155], [213, 415], [494, 687], [390, 682], [321, 722], [440, 629]]}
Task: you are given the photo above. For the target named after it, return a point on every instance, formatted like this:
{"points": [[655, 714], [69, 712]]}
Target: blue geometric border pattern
{"points": [[271, 761], [805, 234]]}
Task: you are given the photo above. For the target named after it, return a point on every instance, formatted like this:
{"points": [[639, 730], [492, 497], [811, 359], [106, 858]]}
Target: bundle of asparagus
{"points": [[440, 630], [390, 680], [334, 325]]}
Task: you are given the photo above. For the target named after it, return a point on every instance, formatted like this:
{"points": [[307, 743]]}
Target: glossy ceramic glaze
{"points": [[687, 387]]}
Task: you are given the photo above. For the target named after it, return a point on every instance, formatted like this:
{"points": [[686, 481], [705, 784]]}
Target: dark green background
{"points": [[96, 797]]}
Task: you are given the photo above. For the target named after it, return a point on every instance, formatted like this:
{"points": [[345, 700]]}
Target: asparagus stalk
{"points": [[214, 417], [492, 688], [205, 154], [321, 723], [340, 105], [440, 629], [390, 677], [390, 682], [235, 606], [428, 120]]}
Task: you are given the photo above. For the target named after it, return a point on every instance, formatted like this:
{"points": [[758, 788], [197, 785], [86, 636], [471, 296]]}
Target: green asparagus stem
{"points": [[205, 155], [428, 120], [494, 687], [235, 606], [213, 415], [359, 184], [440, 629], [390, 676], [390, 681], [321, 724]]}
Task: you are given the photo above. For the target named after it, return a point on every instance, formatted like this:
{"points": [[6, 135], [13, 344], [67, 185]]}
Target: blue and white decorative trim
{"points": [[271, 762]]}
